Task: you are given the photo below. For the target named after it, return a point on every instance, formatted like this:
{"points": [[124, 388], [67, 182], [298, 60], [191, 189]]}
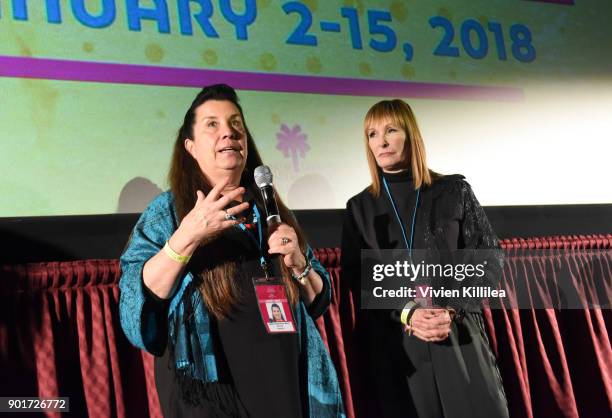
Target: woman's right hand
{"points": [[208, 217]]}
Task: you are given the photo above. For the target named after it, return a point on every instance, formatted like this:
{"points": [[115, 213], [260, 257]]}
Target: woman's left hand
{"points": [[284, 241]]}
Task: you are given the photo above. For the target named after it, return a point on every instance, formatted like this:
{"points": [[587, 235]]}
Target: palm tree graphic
{"points": [[293, 143]]}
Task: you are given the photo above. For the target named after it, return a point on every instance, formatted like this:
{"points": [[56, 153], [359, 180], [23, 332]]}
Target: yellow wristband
{"points": [[183, 259], [406, 312]]}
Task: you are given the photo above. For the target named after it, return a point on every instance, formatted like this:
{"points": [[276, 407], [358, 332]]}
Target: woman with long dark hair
{"points": [[189, 280]]}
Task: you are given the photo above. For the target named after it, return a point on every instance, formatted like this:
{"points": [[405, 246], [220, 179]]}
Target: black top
{"points": [[448, 218], [259, 373], [401, 187]]}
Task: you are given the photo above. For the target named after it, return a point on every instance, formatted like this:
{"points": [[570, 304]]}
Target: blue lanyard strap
{"points": [[258, 242], [399, 219]]}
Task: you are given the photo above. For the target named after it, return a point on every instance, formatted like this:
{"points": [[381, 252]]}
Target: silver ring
{"points": [[228, 217], [285, 240]]}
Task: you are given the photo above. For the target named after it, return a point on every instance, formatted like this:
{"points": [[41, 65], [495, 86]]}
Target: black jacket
{"points": [[448, 218], [397, 375]]}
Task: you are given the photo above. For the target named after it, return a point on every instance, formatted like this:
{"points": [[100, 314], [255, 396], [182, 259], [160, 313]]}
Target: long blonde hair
{"points": [[400, 114]]}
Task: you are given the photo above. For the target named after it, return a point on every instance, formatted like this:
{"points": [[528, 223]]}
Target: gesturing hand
{"points": [[284, 241], [209, 216], [431, 325]]}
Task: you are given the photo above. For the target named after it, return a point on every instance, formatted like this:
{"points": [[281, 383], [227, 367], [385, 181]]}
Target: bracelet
{"points": [[183, 259], [407, 312], [302, 276]]}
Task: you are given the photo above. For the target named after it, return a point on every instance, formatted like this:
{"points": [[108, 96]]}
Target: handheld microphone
{"points": [[263, 179]]}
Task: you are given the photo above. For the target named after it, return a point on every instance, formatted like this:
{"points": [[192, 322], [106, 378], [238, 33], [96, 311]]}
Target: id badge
{"points": [[274, 305]]}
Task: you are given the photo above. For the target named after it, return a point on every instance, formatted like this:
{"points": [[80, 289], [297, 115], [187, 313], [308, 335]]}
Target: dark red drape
{"points": [[556, 363], [60, 336]]}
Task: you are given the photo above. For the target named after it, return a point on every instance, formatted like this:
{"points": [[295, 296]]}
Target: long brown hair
{"points": [[218, 284], [400, 114]]}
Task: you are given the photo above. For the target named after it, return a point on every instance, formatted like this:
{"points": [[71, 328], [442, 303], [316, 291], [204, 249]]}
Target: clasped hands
{"points": [[430, 324]]}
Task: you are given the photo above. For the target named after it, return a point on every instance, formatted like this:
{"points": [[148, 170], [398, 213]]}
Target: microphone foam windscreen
{"points": [[263, 176]]}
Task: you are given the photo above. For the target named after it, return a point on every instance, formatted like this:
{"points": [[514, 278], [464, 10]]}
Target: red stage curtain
{"points": [[60, 336], [556, 363]]}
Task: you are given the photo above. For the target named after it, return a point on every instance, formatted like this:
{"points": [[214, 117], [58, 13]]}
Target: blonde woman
{"points": [[425, 358]]}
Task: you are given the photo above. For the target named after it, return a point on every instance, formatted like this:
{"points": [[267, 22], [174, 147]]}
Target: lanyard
{"points": [[399, 219], [258, 241]]}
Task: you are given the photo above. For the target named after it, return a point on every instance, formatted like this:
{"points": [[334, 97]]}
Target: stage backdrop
{"points": [[514, 94]]}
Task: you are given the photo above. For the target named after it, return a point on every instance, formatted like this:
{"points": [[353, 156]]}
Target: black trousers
{"points": [[455, 378]]}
